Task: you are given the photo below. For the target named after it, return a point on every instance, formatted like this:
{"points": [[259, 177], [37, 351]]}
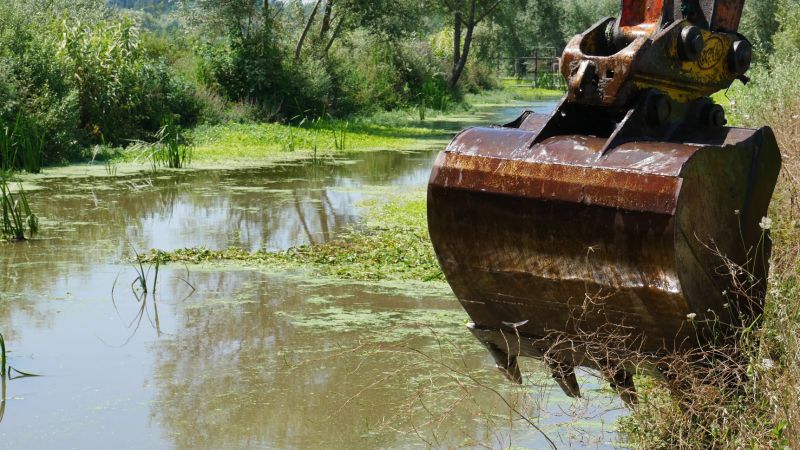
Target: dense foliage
{"points": [[78, 73]]}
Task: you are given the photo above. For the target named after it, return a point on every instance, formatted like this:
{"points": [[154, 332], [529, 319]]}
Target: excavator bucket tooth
{"points": [[622, 382], [565, 377]]}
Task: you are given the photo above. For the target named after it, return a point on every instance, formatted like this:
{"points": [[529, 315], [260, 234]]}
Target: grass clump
{"points": [[170, 150], [16, 214], [392, 244]]}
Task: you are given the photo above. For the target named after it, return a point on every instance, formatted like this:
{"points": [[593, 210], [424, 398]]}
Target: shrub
{"points": [[255, 68], [122, 92], [32, 86], [76, 75]]}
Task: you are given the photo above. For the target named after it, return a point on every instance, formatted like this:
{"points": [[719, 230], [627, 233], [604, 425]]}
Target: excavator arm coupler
{"points": [[627, 212]]}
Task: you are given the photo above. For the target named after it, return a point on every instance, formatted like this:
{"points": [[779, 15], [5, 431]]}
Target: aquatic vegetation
{"points": [[387, 326], [111, 168], [170, 150], [340, 135], [144, 292], [106, 154], [142, 275], [16, 216], [395, 130], [290, 142], [7, 370], [232, 141], [2, 356], [393, 243]]}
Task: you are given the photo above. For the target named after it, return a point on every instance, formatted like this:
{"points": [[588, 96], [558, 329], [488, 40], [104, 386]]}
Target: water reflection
{"points": [[280, 363]]}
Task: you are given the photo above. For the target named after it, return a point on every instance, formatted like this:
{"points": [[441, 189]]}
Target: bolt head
{"points": [[716, 116], [741, 55], [691, 43]]}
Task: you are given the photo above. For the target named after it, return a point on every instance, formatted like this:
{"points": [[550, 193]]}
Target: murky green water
{"points": [[245, 358]]}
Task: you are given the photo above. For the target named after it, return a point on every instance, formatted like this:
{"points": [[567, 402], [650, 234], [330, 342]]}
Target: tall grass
{"points": [[16, 214], [142, 275], [290, 139], [340, 132], [760, 410], [2, 357], [21, 146], [170, 149], [435, 95]]}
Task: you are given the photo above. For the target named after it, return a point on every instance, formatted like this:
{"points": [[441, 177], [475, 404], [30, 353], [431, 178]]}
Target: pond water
{"points": [[236, 357]]}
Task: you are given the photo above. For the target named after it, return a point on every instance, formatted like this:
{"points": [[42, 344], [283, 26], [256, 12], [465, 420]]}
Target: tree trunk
{"points": [[334, 35], [306, 29], [457, 39], [460, 60], [326, 21]]}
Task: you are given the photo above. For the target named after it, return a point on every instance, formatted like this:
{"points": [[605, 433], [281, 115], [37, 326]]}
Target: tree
{"points": [[391, 19], [579, 15], [240, 19], [307, 28], [759, 24], [467, 14]]}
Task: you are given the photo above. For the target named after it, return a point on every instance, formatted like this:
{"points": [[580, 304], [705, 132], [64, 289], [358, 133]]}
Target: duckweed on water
{"points": [[392, 244], [389, 326]]}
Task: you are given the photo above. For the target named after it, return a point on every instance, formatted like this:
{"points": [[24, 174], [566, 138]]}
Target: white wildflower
{"points": [[766, 223], [691, 316]]}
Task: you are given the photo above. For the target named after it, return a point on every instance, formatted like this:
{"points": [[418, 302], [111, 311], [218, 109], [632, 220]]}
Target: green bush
{"points": [[77, 76], [32, 86], [122, 92], [255, 68]]}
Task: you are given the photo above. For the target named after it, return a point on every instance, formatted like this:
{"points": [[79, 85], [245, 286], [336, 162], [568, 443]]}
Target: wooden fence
{"points": [[538, 70]]}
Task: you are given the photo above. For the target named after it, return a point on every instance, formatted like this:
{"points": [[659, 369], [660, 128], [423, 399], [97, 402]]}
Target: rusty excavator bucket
{"points": [[631, 206]]}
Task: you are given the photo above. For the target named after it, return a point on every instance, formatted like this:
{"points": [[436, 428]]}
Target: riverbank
{"points": [[247, 145]]}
